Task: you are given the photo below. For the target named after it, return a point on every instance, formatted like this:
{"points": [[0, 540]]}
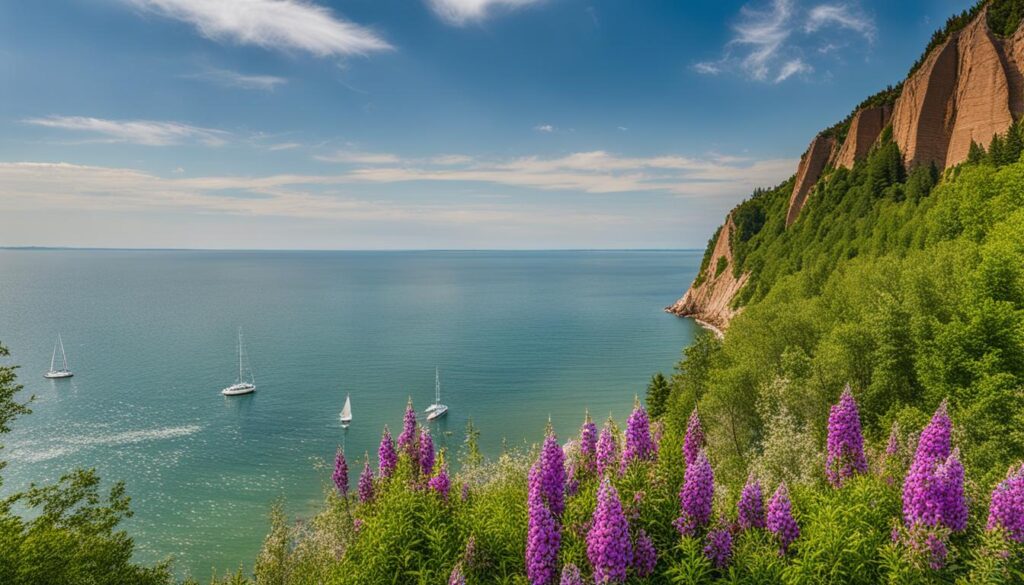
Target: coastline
{"points": [[718, 332]]}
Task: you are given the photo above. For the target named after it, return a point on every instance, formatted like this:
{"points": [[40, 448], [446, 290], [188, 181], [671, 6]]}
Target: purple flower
{"points": [[935, 442], [780, 519], [387, 458], [572, 480], [693, 442], [937, 551], [1007, 508], [845, 441], [954, 501], [696, 496], [552, 473], [407, 440], [465, 491], [571, 575], [645, 556], [657, 431], [340, 475], [366, 481], [357, 524], [588, 445], [607, 449], [457, 578], [892, 447], [750, 508], [543, 534], [608, 547], [933, 488], [718, 548], [639, 445], [426, 453], [440, 483]]}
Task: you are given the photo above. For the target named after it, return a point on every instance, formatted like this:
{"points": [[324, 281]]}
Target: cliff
{"points": [[967, 88]]}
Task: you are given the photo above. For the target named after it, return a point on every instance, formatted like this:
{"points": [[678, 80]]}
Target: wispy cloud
{"points": [[357, 157], [144, 132], [770, 41], [284, 146], [228, 78], [462, 12], [272, 24], [547, 128]]}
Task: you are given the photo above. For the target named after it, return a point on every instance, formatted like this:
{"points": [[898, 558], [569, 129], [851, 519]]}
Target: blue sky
{"points": [[398, 124]]}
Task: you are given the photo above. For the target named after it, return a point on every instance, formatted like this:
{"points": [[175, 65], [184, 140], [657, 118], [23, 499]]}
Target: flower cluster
{"points": [[645, 556], [426, 454], [457, 578], [845, 441], [1007, 508], [639, 445], [340, 475], [440, 483], [718, 548], [407, 440], [552, 473], [543, 534], [588, 445], [607, 449], [608, 546], [694, 440], [750, 508], [387, 458], [366, 481], [933, 491], [780, 519], [571, 575], [696, 495]]}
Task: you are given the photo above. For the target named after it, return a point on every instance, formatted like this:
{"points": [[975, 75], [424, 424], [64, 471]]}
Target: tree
{"points": [[657, 394]]}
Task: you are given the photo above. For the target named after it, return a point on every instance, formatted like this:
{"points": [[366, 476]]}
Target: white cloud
{"points": [[544, 128], [145, 132], [272, 24], [357, 157], [462, 12], [791, 68], [763, 33], [707, 68], [227, 78], [841, 15], [284, 146]]}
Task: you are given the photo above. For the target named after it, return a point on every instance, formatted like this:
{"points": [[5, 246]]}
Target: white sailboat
{"points": [[346, 412], [63, 372], [242, 385], [436, 410]]}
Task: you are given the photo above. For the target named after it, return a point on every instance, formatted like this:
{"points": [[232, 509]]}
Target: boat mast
{"points": [[437, 386], [53, 358], [63, 355], [240, 355]]}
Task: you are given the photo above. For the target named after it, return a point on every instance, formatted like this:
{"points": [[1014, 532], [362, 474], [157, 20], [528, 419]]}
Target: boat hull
{"points": [[238, 390], [437, 413], [57, 375]]}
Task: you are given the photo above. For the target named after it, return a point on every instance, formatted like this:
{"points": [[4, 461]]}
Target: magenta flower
{"points": [[571, 575], [1007, 508], [892, 447], [696, 496], [718, 548], [407, 440], [426, 453], [457, 578], [937, 551], [607, 449], [933, 488], [645, 556], [588, 445], [693, 442], [366, 481], [387, 458], [750, 508], [954, 501], [608, 547], [552, 473], [543, 534], [935, 442], [780, 519], [639, 445], [440, 483], [845, 441], [340, 475]]}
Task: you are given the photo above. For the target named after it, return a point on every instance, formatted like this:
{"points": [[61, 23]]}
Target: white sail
{"points": [[346, 411], [241, 386], [54, 372]]}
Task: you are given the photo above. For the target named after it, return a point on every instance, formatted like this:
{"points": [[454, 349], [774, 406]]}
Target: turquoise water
{"points": [[518, 336]]}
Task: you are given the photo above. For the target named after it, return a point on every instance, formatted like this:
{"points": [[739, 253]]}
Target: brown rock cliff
{"points": [[865, 128], [812, 163]]}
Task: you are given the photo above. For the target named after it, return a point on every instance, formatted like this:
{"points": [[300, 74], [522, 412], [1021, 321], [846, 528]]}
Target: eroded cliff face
{"points": [[812, 163], [710, 301], [865, 128]]}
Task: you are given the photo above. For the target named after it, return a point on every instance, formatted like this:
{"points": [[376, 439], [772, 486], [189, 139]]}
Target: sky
{"points": [[422, 124]]}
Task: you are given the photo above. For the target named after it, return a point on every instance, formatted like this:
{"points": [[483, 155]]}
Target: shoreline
{"points": [[718, 332]]}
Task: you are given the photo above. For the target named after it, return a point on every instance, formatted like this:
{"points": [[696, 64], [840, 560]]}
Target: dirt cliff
{"points": [[865, 128], [812, 163]]}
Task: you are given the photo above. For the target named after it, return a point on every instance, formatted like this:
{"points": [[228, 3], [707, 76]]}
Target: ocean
{"points": [[519, 337]]}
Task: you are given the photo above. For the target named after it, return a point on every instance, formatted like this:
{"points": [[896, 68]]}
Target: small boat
{"points": [[436, 410], [63, 372], [242, 385], [346, 412]]}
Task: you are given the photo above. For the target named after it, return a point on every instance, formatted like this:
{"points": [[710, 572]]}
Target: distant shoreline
{"points": [[718, 332], [349, 250]]}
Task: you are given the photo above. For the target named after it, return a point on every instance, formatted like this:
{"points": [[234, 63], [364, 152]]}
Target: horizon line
{"points": [[371, 250]]}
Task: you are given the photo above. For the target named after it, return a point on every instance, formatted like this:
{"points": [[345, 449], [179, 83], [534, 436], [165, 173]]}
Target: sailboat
{"points": [[63, 372], [436, 410], [346, 412], [241, 386]]}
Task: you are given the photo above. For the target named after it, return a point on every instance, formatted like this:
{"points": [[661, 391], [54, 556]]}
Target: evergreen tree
{"points": [[657, 394]]}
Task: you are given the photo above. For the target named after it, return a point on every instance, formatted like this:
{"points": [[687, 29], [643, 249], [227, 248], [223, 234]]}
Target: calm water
{"points": [[150, 336]]}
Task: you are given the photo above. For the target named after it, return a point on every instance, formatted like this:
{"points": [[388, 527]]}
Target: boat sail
{"points": [[242, 385], [346, 412], [54, 372], [436, 410]]}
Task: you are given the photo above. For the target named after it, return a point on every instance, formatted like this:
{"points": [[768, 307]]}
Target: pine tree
{"points": [[657, 395]]}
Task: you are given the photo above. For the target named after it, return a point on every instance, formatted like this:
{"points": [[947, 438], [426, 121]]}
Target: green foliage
{"points": [[657, 395], [721, 265]]}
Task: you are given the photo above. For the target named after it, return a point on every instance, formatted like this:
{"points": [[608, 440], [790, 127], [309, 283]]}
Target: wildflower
{"points": [[607, 449], [340, 475], [457, 578], [937, 551], [954, 501], [695, 497], [892, 447], [718, 549], [357, 524], [750, 508], [657, 432], [639, 445], [407, 440], [366, 481], [694, 439], [543, 534], [608, 547], [780, 519], [645, 556], [465, 491], [426, 453], [845, 441], [571, 575], [588, 445], [387, 458], [440, 483], [1007, 508], [552, 473], [933, 488]]}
